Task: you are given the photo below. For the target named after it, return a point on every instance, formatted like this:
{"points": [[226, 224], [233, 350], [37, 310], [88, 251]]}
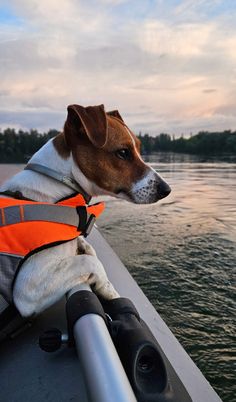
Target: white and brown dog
{"points": [[99, 152]]}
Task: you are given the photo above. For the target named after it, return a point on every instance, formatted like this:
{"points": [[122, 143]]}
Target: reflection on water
{"points": [[182, 252], [186, 158]]}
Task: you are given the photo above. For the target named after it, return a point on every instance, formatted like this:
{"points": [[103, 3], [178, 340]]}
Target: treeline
{"points": [[18, 147], [202, 143]]}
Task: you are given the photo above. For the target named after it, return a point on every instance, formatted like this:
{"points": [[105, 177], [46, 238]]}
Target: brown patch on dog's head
{"points": [[103, 147], [61, 146], [90, 120], [115, 113]]}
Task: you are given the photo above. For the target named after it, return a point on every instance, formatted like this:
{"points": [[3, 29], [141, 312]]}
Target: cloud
{"points": [[33, 119], [209, 91], [178, 40], [160, 66]]}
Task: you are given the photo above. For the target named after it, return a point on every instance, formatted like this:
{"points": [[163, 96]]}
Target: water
{"points": [[182, 252]]}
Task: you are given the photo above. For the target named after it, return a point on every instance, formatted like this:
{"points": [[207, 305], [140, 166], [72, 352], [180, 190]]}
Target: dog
{"points": [[100, 153]]}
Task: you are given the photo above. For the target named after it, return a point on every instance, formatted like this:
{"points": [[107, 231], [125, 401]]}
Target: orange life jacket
{"points": [[28, 226]]}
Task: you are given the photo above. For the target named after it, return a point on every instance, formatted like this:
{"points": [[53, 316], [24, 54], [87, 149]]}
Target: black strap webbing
{"points": [[15, 194], [8, 315], [82, 212]]}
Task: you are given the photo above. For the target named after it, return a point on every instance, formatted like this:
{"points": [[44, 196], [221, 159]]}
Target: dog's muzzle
{"points": [[149, 189]]}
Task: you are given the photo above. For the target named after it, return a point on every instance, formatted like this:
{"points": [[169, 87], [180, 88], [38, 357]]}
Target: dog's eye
{"points": [[123, 153]]}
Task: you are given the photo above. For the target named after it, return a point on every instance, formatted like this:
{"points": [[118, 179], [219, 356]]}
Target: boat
{"points": [[29, 374]]}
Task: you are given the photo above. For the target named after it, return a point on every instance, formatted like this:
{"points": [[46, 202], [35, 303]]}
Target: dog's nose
{"points": [[163, 189]]}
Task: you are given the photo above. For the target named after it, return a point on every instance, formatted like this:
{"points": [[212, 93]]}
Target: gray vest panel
{"points": [[8, 267]]}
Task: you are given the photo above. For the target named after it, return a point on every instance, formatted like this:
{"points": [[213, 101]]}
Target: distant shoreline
{"points": [[18, 147]]}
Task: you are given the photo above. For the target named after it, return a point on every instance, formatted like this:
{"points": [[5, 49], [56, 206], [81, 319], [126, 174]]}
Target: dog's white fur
{"points": [[49, 274]]}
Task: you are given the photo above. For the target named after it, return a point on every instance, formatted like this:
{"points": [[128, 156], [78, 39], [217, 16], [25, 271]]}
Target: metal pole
{"points": [[104, 374]]}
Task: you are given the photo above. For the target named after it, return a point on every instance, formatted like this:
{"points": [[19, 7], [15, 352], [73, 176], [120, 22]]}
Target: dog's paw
{"points": [[83, 247], [43, 280]]}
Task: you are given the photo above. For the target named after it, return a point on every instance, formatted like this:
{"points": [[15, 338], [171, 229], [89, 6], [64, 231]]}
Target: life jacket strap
{"points": [[86, 220], [15, 194], [50, 213], [11, 322]]}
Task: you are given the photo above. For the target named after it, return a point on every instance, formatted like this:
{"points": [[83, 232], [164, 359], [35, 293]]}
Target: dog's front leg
{"points": [[42, 282]]}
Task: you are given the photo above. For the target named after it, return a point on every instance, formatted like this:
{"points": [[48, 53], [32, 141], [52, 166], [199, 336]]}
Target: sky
{"points": [[166, 65]]}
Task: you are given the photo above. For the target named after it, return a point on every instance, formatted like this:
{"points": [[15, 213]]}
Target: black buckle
{"points": [[89, 225], [85, 226]]}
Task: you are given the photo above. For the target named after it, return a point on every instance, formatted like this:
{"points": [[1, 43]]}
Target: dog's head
{"points": [[106, 154]]}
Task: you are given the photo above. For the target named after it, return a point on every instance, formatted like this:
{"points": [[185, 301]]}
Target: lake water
{"points": [[182, 252]]}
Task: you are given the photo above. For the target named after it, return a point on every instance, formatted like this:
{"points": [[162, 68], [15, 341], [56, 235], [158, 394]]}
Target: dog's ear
{"points": [[116, 114], [93, 121]]}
